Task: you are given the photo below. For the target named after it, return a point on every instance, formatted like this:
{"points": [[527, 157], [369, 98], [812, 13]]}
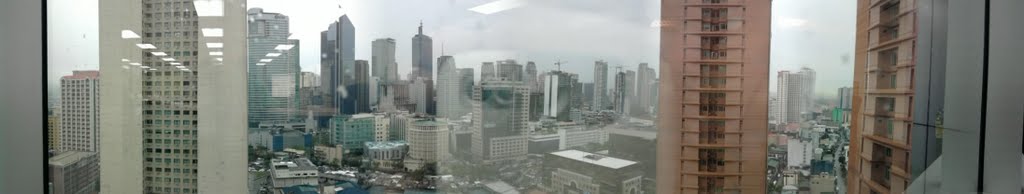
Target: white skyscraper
{"points": [[448, 98], [80, 112], [418, 91], [808, 77], [164, 62], [600, 85], [790, 97], [645, 87], [383, 60]]}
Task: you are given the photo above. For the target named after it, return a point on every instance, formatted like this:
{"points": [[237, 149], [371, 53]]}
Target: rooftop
{"points": [[501, 187], [69, 157], [82, 75], [291, 169], [385, 144], [601, 160]]}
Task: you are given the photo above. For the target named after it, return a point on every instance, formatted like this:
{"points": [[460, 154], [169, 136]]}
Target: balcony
{"points": [[881, 162]]}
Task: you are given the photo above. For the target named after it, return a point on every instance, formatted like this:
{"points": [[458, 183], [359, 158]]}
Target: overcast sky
{"points": [[811, 33]]}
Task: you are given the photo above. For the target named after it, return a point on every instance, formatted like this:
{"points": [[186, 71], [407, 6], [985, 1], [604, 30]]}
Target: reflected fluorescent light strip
{"points": [[124, 60], [284, 47], [186, 70], [180, 67], [175, 63], [214, 45], [145, 46], [261, 64], [145, 67], [159, 54], [213, 32], [128, 34], [168, 59], [135, 64], [273, 54], [219, 59], [497, 6], [216, 53], [266, 60], [209, 8]]}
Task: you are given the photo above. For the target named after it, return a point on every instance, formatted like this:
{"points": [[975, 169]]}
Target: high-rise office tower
{"points": [[466, 90], [448, 97], [531, 77], [791, 97], [883, 95], [362, 86], [630, 87], [588, 93], [273, 74], [174, 91], [80, 111], [600, 85], [713, 113], [337, 65], [384, 65], [645, 88], [808, 77], [487, 71], [619, 95], [421, 95], [500, 114], [559, 95], [422, 55], [309, 79], [510, 70]]}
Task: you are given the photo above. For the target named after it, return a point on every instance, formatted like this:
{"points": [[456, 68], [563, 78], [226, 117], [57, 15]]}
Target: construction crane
{"points": [[558, 64]]}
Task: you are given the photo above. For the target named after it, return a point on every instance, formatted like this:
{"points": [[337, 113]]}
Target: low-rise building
{"points": [[75, 172], [329, 154], [292, 173], [387, 154], [573, 171], [823, 184]]}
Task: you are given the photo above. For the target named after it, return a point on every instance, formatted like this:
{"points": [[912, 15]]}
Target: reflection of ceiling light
{"points": [[497, 6], [127, 34], [260, 64], [135, 64], [186, 70], [284, 47], [205, 8], [219, 59], [144, 67], [214, 45], [145, 46], [273, 54], [168, 59], [266, 60], [213, 32], [180, 67], [124, 60], [175, 63], [216, 53], [159, 54]]}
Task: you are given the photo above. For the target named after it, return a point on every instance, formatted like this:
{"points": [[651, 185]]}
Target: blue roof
{"points": [[300, 189], [350, 188]]}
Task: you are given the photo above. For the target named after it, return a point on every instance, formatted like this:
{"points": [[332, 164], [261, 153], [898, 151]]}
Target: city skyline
{"points": [[790, 29]]}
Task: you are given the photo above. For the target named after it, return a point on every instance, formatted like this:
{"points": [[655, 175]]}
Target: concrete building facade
{"points": [[500, 115], [173, 94], [80, 111], [714, 96]]}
